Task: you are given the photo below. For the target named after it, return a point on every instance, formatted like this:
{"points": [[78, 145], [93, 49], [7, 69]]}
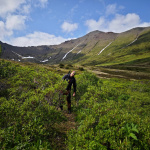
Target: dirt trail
{"points": [[69, 124], [63, 128], [117, 73]]}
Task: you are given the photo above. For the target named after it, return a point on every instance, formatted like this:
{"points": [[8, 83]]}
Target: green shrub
{"points": [[112, 114], [81, 68], [61, 65], [27, 118]]}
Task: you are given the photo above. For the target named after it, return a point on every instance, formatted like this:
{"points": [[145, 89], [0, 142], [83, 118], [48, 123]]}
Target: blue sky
{"points": [[50, 22]]}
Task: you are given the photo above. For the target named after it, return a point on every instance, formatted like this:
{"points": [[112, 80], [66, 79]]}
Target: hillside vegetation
{"points": [[28, 102], [110, 113], [127, 48]]}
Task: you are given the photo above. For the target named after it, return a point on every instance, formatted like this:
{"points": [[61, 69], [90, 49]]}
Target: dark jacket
{"points": [[71, 80]]}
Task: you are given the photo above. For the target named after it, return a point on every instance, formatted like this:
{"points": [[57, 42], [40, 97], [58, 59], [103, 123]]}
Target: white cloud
{"points": [[11, 18], [111, 9], [22, 6], [4, 31], [15, 22], [25, 9], [95, 25], [9, 6], [37, 38], [122, 23], [119, 23], [116, 22], [68, 27], [41, 3], [145, 24]]}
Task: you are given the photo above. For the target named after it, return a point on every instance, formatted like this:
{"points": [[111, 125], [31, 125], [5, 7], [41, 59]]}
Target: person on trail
{"points": [[71, 81]]}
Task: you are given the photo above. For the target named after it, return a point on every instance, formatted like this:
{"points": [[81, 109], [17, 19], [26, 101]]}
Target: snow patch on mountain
{"points": [[23, 56], [130, 43], [79, 52], [104, 48], [44, 60], [70, 51]]}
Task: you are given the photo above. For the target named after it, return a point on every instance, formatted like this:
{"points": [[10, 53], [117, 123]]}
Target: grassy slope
{"points": [[119, 52]]}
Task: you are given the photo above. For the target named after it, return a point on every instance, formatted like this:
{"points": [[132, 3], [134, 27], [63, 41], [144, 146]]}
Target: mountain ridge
{"points": [[94, 48]]}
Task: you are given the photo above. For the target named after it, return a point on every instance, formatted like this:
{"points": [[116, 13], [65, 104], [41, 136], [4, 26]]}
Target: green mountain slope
{"points": [[129, 46], [96, 48]]}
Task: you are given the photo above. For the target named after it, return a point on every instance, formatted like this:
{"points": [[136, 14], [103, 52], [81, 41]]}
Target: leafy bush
{"points": [[27, 118], [61, 65], [81, 68], [112, 114], [6, 69]]}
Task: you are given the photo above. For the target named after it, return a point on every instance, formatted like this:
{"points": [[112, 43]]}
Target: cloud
{"points": [[41, 3], [12, 22], [9, 6], [36, 39], [115, 22], [95, 25], [68, 27], [15, 22], [25, 9], [122, 23], [14, 14], [4, 31], [111, 9], [119, 23]]}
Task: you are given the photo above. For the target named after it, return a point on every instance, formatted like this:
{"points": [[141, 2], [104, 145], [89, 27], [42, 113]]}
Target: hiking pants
{"points": [[68, 93]]}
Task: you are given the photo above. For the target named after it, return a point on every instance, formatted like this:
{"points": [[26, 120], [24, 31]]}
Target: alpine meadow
{"points": [[111, 108]]}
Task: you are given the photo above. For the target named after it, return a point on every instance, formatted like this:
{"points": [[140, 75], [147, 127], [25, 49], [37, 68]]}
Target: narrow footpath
{"points": [[63, 128]]}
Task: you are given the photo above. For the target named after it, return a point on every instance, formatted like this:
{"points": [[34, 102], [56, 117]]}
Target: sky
{"points": [[51, 22]]}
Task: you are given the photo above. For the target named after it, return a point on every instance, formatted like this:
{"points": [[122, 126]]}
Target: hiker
{"points": [[71, 80]]}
